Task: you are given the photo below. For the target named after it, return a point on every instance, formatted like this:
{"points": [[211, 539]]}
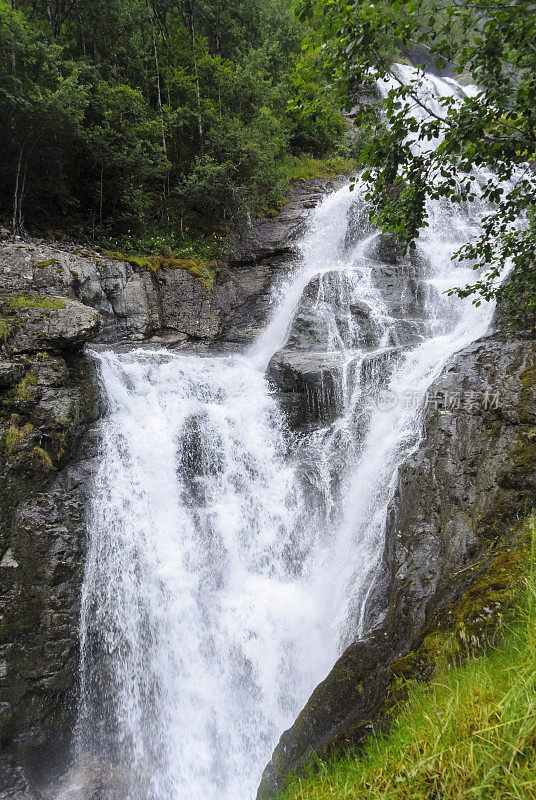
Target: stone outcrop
{"points": [[267, 237], [134, 302], [48, 400], [170, 303], [308, 372], [32, 323], [308, 386], [450, 534]]}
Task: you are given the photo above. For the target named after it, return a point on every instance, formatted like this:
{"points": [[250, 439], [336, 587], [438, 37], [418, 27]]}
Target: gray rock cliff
{"points": [[48, 400], [451, 523]]}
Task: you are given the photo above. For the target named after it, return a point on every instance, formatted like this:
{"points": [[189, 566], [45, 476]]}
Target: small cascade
{"points": [[239, 509]]}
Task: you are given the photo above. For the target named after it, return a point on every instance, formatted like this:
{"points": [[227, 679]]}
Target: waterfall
{"points": [[232, 555]]}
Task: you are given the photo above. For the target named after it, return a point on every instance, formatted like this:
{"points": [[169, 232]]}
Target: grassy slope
{"points": [[306, 168], [471, 733]]}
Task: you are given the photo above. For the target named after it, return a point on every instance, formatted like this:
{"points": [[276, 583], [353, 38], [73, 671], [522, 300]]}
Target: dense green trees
{"points": [[491, 43], [119, 116]]}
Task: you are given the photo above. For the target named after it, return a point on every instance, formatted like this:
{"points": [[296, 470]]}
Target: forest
{"points": [[158, 123], [164, 125]]}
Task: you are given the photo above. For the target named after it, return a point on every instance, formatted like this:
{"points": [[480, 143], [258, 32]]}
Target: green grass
{"points": [[303, 168], [470, 733]]}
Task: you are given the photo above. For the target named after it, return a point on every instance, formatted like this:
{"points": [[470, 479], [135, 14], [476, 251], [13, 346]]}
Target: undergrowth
{"points": [[470, 733], [306, 168], [167, 244]]}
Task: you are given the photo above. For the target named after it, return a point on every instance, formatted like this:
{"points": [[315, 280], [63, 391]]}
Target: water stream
{"points": [[231, 557]]}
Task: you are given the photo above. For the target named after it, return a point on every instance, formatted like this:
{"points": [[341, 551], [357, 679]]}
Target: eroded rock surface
{"points": [[32, 323], [451, 523]]}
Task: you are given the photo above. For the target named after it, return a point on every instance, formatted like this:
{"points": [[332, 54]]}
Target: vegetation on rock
{"points": [[471, 731], [494, 128], [35, 301], [162, 119], [203, 269]]}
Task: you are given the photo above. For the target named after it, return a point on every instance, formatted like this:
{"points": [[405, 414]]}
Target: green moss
{"points": [[59, 441], [36, 301], [528, 377], [4, 330], [269, 213], [41, 457], [491, 600], [204, 270], [113, 254], [23, 389], [16, 437], [304, 168], [524, 455], [47, 263]]}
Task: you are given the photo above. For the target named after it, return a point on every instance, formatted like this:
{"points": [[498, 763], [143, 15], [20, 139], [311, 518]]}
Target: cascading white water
{"points": [[230, 560], [191, 578]]}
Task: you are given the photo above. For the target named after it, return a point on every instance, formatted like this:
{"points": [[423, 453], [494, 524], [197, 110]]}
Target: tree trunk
{"points": [[21, 195], [101, 191], [16, 198], [50, 20], [191, 27], [159, 95], [19, 191]]}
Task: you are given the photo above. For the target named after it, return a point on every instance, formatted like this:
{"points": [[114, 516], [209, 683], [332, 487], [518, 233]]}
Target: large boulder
{"points": [[309, 386], [31, 323]]}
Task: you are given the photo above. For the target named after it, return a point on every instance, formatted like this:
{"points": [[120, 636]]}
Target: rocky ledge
{"points": [[451, 549], [177, 302], [48, 400]]}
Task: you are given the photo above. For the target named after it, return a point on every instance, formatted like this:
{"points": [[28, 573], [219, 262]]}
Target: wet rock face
{"points": [[400, 282], [468, 483], [308, 386], [273, 236], [334, 332], [48, 400]]}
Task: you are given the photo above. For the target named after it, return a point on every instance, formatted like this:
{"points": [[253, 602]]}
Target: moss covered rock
{"points": [[48, 398], [33, 323]]}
